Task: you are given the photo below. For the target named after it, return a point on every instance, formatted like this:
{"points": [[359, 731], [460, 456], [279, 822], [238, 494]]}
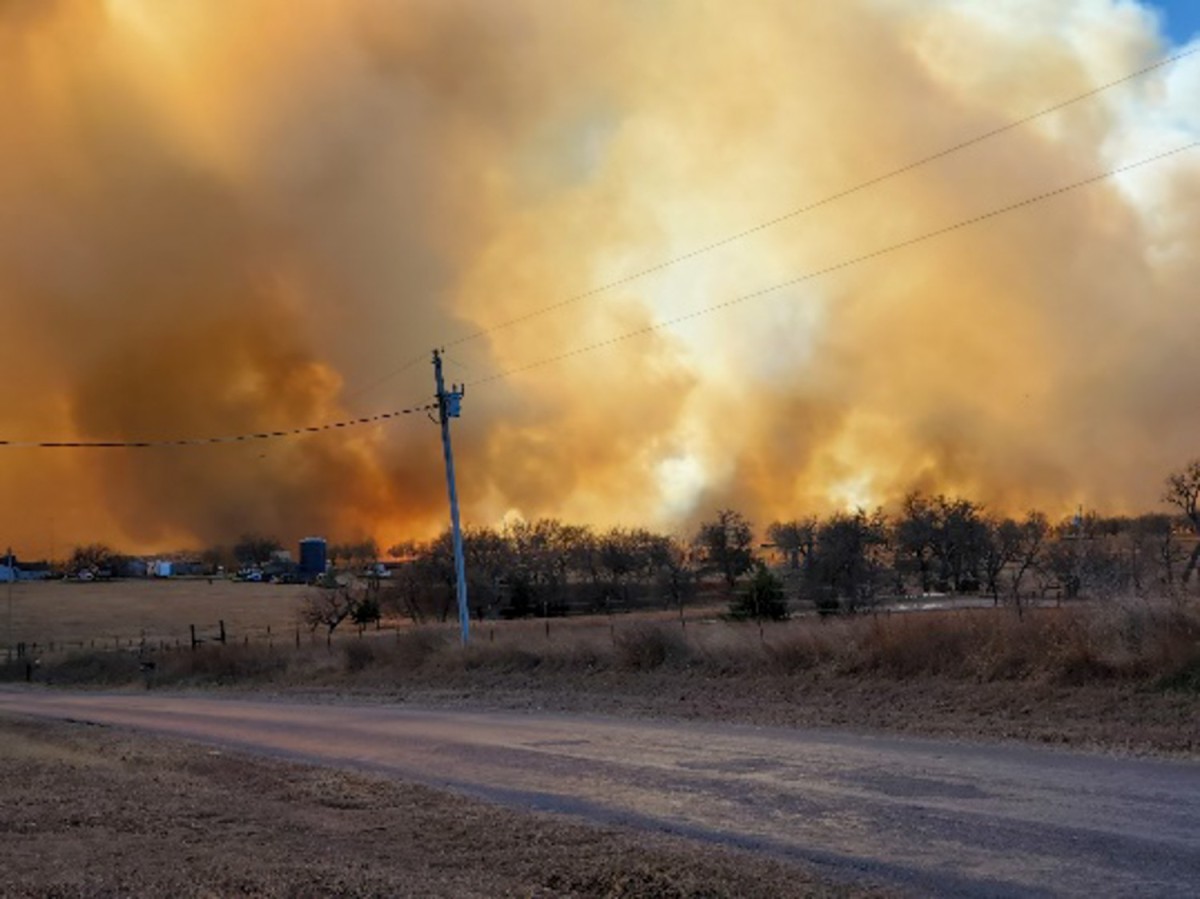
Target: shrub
{"points": [[827, 604], [93, 668], [366, 611], [1185, 678], [416, 647], [646, 648], [763, 598], [221, 665], [360, 654]]}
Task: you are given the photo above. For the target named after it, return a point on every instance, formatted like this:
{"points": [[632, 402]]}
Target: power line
{"points": [[816, 204], [779, 219], [290, 432], [208, 441], [371, 385], [847, 263], [657, 326]]}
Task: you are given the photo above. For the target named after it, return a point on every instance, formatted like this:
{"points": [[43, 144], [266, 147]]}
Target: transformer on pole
{"points": [[450, 406]]}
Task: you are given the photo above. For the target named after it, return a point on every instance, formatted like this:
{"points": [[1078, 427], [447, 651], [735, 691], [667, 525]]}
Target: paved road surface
{"points": [[936, 817]]}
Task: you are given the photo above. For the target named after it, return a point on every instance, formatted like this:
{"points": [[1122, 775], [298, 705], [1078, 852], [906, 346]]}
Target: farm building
{"points": [[313, 556]]}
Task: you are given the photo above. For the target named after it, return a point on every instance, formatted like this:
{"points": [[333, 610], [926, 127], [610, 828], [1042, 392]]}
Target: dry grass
{"points": [[65, 612], [1114, 676], [91, 812], [1140, 643]]}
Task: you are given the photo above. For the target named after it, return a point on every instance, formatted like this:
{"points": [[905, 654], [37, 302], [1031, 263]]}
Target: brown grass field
{"points": [[71, 612], [1115, 676]]}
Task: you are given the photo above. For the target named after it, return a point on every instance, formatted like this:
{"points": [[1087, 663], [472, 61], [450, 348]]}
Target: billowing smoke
{"points": [[220, 218]]}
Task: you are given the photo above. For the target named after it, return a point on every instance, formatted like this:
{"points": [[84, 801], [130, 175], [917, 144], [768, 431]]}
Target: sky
{"points": [[222, 219], [1181, 19]]}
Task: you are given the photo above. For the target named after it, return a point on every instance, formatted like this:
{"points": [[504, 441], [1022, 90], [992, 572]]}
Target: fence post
{"points": [[222, 625], [192, 627]]}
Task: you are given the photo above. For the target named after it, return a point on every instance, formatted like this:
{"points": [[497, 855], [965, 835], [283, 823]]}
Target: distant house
{"points": [[35, 571], [133, 567], [11, 570]]}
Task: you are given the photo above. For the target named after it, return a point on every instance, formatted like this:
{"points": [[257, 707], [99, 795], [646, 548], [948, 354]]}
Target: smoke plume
{"points": [[225, 218]]}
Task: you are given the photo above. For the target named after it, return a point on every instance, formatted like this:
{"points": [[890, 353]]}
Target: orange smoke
{"points": [[216, 219]]}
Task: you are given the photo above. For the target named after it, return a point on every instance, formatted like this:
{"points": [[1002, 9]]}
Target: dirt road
{"points": [[938, 817]]}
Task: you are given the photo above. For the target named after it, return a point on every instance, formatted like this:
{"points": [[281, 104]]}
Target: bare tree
{"points": [[726, 545], [849, 560], [407, 590], [488, 561], [92, 557], [328, 609], [795, 539], [1034, 530], [677, 574], [255, 549], [915, 536], [947, 532], [1005, 539], [1183, 492]]}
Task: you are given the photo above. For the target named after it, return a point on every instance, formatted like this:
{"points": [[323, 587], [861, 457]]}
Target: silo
{"points": [[312, 556]]}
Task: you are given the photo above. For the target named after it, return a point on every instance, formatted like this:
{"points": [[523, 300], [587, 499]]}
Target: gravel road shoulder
{"points": [[93, 811]]}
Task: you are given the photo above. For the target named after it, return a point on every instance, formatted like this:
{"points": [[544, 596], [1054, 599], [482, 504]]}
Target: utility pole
{"points": [[450, 406], [12, 574]]}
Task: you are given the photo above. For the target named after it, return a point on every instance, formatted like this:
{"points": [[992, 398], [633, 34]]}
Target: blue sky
{"points": [[1182, 20]]}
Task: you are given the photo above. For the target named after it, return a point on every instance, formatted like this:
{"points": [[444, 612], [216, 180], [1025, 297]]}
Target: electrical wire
{"points": [[824, 201], [706, 248], [779, 219], [844, 264], [648, 329], [208, 441], [371, 385]]}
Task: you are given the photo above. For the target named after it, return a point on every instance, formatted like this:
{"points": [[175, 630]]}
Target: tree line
{"points": [[843, 562]]}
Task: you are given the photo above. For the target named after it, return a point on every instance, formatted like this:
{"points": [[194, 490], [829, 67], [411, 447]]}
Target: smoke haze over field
{"points": [[220, 218]]}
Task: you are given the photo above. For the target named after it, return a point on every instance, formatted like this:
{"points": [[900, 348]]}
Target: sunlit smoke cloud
{"points": [[219, 218]]}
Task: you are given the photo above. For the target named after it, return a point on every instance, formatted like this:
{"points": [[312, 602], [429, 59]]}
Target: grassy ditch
{"points": [[1115, 676]]}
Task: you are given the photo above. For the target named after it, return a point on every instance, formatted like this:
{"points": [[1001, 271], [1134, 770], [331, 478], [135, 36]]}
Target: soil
{"points": [[89, 811]]}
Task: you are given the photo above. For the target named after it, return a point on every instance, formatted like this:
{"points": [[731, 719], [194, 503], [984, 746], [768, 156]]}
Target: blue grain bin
{"points": [[312, 556]]}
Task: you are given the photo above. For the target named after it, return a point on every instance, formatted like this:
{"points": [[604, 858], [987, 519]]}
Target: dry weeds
{"points": [[1117, 676]]}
